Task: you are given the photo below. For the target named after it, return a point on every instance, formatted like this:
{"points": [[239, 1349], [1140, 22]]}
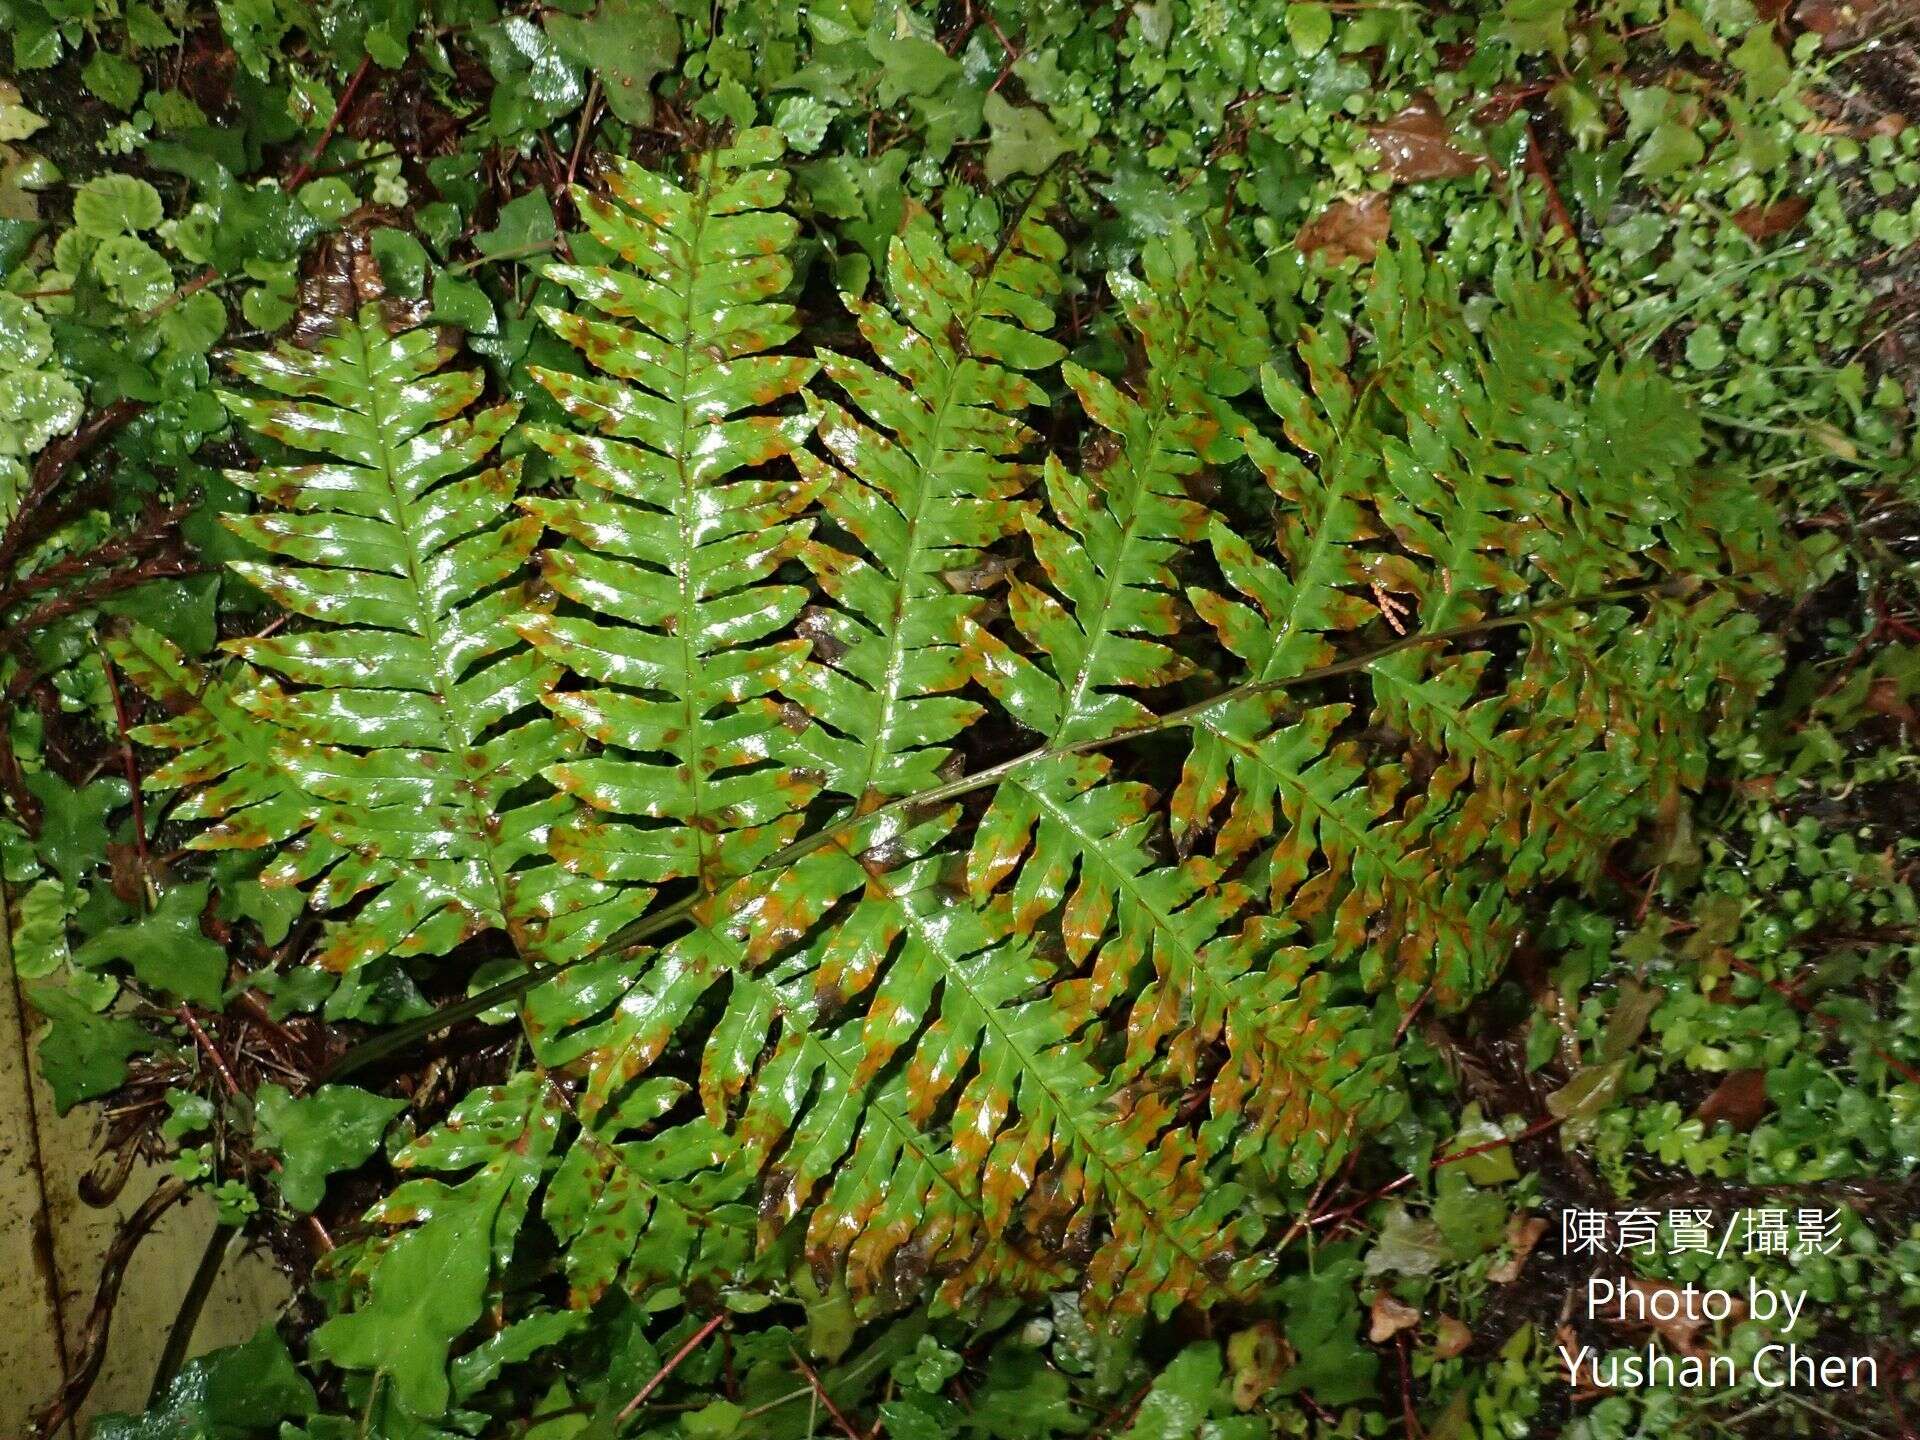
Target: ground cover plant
{"points": [[946, 721]]}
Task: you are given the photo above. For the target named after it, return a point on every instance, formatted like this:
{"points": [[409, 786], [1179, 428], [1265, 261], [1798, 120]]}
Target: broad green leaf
{"points": [[133, 272], [83, 1055], [73, 822], [113, 78], [236, 1390], [429, 1281], [1181, 1395], [335, 1128], [626, 43], [1024, 141], [168, 949]]}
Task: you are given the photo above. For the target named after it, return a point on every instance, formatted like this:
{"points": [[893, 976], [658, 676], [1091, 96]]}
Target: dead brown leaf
{"points": [[1763, 222], [127, 883], [1257, 1357], [1688, 1319], [1355, 228], [1740, 1100], [1389, 1317], [1839, 23], [1884, 698], [1417, 144], [1452, 1338], [1523, 1233]]}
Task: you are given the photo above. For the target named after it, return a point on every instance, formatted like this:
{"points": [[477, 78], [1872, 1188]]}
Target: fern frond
{"points": [[1456, 476], [924, 485], [409, 716], [673, 552], [1032, 1139], [1113, 601], [1061, 839], [224, 752]]}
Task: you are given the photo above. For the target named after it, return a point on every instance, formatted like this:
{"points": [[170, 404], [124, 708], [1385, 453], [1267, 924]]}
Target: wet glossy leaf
{"points": [[1418, 144], [681, 511], [1346, 229], [335, 1128], [134, 273], [1024, 141], [412, 707], [235, 1390], [428, 1282], [83, 1055], [73, 825], [626, 43], [168, 949], [116, 204]]}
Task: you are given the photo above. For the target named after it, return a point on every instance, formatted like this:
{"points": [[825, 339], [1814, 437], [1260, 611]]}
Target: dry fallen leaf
{"points": [[1740, 1100], [1688, 1318], [1256, 1358], [1452, 1337], [1355, 227], [1417, 144], [1884, 698], [1523, 1233], [1390, 1317], [1839, 23], [1763, 222]]}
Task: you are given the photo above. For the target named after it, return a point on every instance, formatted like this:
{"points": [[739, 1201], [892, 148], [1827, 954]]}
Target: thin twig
{"points": [[586, 128], [205, 1042], [49, 1418], [673, 1363], [1537, 167], [1539, 1127], [333, 123], [820, 1393]]}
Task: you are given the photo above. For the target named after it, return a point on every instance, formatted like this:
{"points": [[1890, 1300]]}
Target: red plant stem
{"points": [[130, 765], [333, 124], [205, 1042], [1556, 207], [586, 128], [820, 1394], [53, 463], [1408, 1421], [693, 1342], [321, 1237], [1539, 1127]]}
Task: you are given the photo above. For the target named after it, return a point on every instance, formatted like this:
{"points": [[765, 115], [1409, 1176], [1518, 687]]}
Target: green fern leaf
{"points": [[224, 750], [1088, 839], [672, 549], [923, 496], [408, 720]]}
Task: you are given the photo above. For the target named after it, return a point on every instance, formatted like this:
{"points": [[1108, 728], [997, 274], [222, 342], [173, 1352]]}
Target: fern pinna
{"points": [[1009, 862]]}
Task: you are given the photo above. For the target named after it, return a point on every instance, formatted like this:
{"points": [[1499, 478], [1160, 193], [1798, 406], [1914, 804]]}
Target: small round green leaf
{"points": [[116, 204], [134, 273]]}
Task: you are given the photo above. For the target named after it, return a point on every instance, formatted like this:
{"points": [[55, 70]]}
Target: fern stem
{"points": [[402, 1037]]}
